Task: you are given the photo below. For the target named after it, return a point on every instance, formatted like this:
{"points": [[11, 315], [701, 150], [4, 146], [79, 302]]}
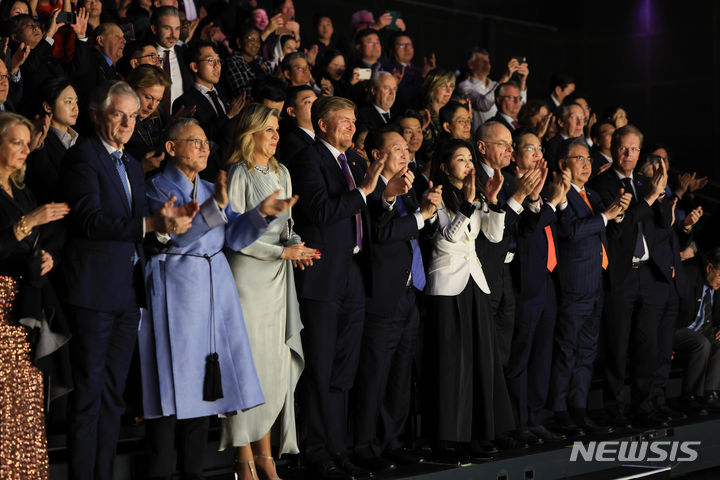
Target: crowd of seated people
{"points": [[311, 237]]}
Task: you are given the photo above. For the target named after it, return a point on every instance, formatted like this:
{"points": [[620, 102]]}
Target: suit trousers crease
{"points": [[381, 395], [528, 371], [331, 341], [632, 316]]}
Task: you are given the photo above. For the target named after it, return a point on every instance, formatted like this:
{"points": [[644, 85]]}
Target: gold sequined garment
{"points": [[23, 445]]}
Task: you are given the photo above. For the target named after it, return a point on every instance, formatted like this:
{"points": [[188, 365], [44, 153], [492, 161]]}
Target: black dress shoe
{"points": [[343, 462], [524, 435], [546, 435], [691, 405], [670, 413], [618, 420], [327, 470], [650, 420], [403, 456], [503, 441], [482, 451], [450, 456], [566, 426], [592, 428], [712, 401], [374, 464]]}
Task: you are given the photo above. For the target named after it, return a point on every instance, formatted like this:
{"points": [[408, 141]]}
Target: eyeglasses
{"points": [[32, 26], [463, 121], [4, 78], [504, 145], [251, 39], [581, 159], [624, 149], [404, 45], [213, 62], [197, 142], [298, 68], [154, 57], [531, 148], [513, 98]]}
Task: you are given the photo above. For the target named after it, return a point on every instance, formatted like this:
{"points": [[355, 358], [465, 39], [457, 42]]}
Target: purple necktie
{"points": [[351, 186]]}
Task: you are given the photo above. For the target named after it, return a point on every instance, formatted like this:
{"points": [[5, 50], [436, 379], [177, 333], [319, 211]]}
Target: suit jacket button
{"points": [[132, 258]]}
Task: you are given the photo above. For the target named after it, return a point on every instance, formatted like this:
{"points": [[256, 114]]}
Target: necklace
{"points": [[261, 169]]}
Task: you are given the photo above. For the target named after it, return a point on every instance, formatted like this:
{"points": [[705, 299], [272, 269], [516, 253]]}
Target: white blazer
{"points": [[454, 258]]}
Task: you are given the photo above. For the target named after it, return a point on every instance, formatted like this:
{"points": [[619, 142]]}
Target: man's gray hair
{"points": [[379, 75], [566, 108], [102, 96], [176, 126]]}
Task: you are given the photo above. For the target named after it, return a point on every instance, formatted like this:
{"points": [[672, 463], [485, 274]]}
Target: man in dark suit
{"points": [[382, 388], [108, 43], [601, 135], [103, 274], [638, 278], [508, 101], [402, 52], [697, 338], [332, 216], [211, 109], [570, 119], [561, 85], [297, 131], [583, 256], [165, 28], [494, 144], [534, 272], [382, 97]]}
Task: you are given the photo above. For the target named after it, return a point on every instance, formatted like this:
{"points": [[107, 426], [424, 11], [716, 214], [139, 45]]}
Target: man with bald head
{"points": [[571, 120], [494, 143]]}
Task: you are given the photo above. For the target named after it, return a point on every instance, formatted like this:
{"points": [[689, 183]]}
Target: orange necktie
{"points": [[605, 257], [551, 257]]}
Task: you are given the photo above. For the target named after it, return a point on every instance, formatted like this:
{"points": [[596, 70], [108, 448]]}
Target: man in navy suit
{"points": [[583, 256], [382, 388], [697, 338], [534, 274], [332, 214], [103, 274], [639, 279]]}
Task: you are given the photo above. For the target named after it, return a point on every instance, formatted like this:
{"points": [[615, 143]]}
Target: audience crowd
{"points": [[309, 233]]}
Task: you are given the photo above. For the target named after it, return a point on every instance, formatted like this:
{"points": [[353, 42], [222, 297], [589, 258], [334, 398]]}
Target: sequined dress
{"points": [[23, 445]]}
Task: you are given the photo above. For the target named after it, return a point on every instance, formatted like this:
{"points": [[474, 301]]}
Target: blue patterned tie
{"points": [[120, 167], [418, 272]]}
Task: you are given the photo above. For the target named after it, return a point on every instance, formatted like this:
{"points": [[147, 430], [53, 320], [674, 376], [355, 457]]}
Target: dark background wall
{"points": [[658, 58]]}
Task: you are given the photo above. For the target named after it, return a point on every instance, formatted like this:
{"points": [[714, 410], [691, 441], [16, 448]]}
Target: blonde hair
{"points": [[253, 118], [434, 79], [7, 121]]}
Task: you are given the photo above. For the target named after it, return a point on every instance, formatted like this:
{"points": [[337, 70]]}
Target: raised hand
{"points": [[542, 166], [274, 206], [236, 105], [383, 21], [151, 161], [326, 88], [398, 73], [658, 182], [431, 201], [221, 194], [426, 118], [493, 186], [81, 23], [469, 186], [53, 26], [603, 167], [46, 263], [697, 183], [172, 219], [18, 58], [186, 111], [42, 127], [429, 64], [399, 184], [312, 54], [526, 184], [371, 177], [692, 217], [47, 213]]}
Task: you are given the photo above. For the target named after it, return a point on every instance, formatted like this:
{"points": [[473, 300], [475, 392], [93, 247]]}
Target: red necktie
{"points": [[605, 257], [551, 256]]}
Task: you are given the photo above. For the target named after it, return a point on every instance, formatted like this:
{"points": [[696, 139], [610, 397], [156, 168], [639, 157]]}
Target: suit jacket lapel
{"points": [[331, 164], [108, 163]]}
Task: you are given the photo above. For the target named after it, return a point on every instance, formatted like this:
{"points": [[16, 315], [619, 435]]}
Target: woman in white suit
{"points": [[467, 381]]}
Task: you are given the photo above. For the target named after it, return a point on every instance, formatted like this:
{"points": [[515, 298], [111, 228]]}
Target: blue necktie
{"points": [[639, 251], [120, 167], [418, 272]]}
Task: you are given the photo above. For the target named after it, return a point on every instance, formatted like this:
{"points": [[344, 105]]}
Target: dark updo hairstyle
{"points": [[452, 197]]}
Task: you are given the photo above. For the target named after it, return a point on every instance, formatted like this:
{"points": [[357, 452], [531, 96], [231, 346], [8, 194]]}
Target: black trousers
{"points": [[101, 350], [665, 338], [467, 395], [331, 341], [502, 307], [176, 444], [702, 357], [632, 315], [381, 395], [528, 370]]}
